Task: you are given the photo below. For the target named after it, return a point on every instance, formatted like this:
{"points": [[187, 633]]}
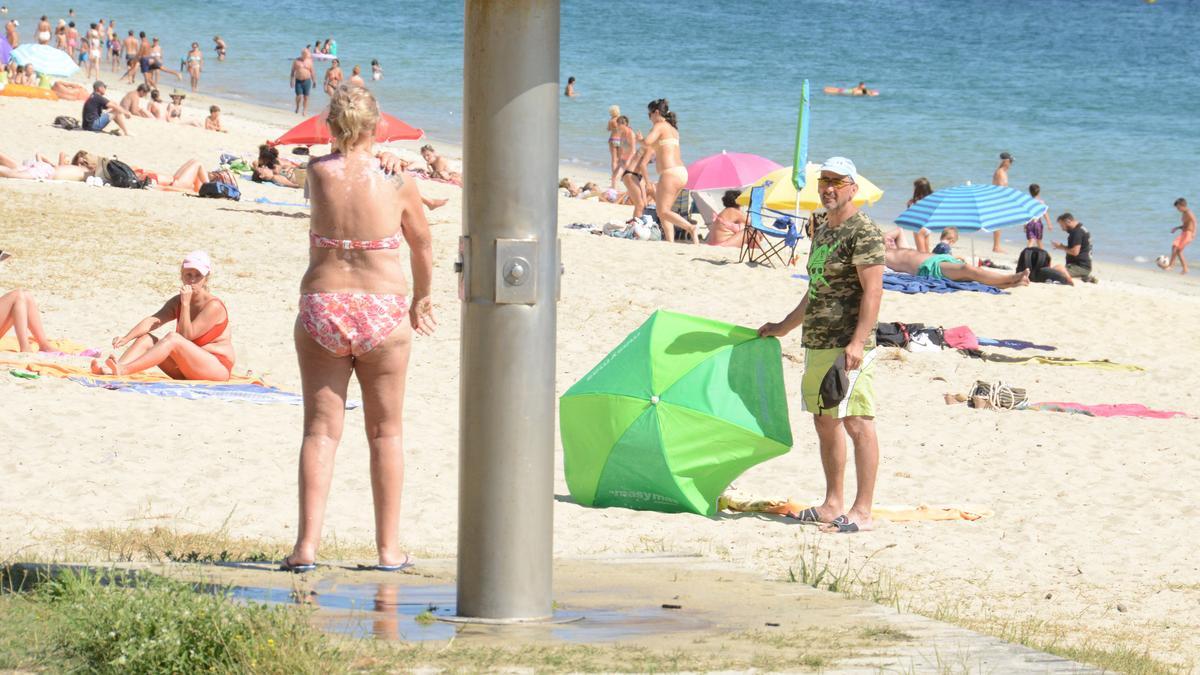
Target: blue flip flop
{"points": [[407, 564], [299, 568]]}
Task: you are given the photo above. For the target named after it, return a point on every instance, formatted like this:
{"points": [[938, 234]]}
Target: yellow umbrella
{"points": [[781, 195]]}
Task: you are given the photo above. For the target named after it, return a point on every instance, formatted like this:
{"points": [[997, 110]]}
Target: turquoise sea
{"points": [[1098, 100]]}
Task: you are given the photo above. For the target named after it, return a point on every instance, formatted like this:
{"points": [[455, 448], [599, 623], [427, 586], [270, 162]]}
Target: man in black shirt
{"points": [[98, 111], [1078, 248]]}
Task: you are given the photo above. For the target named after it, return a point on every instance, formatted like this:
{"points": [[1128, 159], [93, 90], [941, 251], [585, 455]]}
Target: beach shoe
{"points": [[843, 525], [407, 564], [298, 568], [809, 515]]}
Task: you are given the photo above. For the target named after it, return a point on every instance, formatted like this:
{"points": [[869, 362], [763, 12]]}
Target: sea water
{"points": [[1096, 99]]}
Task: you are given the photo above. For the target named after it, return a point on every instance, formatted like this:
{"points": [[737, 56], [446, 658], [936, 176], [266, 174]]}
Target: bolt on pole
{"points": [[510, 275]]}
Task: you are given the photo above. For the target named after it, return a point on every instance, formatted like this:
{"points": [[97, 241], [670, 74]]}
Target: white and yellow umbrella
{"points": [[781, 194]]}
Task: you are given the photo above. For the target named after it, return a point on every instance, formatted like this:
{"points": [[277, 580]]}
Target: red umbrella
{"points": [[314, 131]]}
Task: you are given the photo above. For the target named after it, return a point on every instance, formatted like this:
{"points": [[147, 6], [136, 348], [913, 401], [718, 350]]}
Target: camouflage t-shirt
{"points": [[834, 292]]}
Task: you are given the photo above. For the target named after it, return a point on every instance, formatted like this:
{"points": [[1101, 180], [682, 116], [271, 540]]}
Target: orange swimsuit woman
{"points": [[201, 348]]}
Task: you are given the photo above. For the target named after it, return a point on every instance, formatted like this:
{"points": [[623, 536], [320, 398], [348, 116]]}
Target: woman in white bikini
{"points": [[672, 174], [195, 64], [356, 318]]}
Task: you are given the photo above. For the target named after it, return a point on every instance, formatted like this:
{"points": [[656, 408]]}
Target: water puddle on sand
{"points": [[402, 612]]}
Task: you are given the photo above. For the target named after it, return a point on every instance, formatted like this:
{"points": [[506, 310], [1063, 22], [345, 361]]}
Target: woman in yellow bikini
{"points": [[356, 318], [201, 348], [672, 174]]}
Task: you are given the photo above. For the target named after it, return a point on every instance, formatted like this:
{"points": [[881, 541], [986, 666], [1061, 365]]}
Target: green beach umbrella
{"points": [[673, 415], [800, 155]]}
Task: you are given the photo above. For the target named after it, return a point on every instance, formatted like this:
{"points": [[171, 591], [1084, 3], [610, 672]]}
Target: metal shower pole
{"points": [[510, 277]]}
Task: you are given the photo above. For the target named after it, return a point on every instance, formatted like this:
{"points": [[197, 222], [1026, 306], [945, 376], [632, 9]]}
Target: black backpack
{"points": [[1037, 261], [68, 123], [118, 174]]}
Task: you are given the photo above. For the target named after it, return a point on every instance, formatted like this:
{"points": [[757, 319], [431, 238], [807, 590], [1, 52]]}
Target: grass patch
{"points": [[93, 623], [171, 544], [885, 633], [820, 570]]}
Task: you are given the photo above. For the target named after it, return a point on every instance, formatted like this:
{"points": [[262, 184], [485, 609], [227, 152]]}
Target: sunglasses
{"points": [[835, 182]]}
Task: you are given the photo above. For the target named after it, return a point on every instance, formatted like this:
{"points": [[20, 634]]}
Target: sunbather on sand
{"points": [[19, 311], [438, 166], [727, 226], [936, 266], [41, 168], [201, 348]]}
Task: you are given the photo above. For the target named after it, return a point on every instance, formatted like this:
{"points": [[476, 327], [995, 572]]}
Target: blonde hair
{"points": [[614, 110], [353, 112]]}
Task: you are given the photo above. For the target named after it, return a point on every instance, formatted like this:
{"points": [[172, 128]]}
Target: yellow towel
{"points": [[893, 513], [59, 369], [9, 344]]}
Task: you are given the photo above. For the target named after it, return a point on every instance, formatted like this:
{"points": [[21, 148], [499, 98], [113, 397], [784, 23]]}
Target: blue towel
{"points": [[264, 200], [1014, 344], [251, 393], [907, 283]]}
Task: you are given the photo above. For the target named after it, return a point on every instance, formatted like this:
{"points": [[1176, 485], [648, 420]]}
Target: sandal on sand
{"points": [[843, 525], [809, 515], [407, 564], [296, 568]]}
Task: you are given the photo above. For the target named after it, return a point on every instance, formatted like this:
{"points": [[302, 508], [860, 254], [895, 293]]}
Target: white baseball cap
{"points": [[199, 261], [841, 166]]}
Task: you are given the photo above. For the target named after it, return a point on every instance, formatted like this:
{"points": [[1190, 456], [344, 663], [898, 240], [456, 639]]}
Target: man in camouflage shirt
{"points": [[838, 314]]}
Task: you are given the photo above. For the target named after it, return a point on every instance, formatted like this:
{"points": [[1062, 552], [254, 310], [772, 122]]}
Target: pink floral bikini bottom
{"points": [[351, 324]]}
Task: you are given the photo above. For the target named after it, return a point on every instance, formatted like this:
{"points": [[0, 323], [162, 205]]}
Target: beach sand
{"points": [[1091, 532]]}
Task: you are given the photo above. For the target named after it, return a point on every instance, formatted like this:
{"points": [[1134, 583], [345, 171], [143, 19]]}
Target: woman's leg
{"points": [[614, 154], [668, 189], [191, 361], [634, 189], [921, 240], [382, 372], [13, 314], [323, 380], [996, 242]]}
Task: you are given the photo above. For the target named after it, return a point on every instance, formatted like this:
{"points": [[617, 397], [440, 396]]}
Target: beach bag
{"points": [[65, 122], [119, 174], [223, 176], [220, 190]]}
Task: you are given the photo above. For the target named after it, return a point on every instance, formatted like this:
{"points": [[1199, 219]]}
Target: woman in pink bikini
{"points": [[356, 318], [201, 348]]}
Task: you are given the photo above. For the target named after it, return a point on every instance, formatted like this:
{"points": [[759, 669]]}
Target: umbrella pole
{"points": [[510, 279]]}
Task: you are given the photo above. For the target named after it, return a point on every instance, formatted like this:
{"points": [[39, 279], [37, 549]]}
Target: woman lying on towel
{"points": [[41, 168], [19, 311], [201, 348]]}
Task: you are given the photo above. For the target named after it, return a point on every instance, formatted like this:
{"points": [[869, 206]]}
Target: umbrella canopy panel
{"points": [[315, 131], [45, 59], [781, 193], [727, 170], [673, 415], [972, 208]]}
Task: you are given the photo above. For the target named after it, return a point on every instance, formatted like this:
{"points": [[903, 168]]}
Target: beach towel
{"points": [[792, 509], [1103, 364], [247, 392], [960, 337], [61, 346], [1014, 344], [67, 370], [907, 283], [1107, 410], [272, 202]]}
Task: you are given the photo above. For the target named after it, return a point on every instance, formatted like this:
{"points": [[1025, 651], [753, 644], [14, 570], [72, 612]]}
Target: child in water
{"points": [[376, 70]]}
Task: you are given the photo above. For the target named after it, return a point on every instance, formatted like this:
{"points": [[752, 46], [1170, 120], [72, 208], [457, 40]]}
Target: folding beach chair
{"points": [[768, 244]]}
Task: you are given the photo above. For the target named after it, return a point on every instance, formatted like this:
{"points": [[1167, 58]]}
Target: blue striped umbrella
{"points": [[972, 208]]}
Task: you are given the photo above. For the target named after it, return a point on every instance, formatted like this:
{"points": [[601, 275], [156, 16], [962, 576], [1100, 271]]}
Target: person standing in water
{"points": [[301, 79], [570, 90], [1000, 177]]}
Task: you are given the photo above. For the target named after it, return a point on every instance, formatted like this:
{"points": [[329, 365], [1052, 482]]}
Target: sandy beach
{"points": [[1090, 535]]}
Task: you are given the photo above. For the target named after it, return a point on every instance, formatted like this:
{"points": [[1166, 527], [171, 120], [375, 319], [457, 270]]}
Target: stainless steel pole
{"points": [[510, 282]]}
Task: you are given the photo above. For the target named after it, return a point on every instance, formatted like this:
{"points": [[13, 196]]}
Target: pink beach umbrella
{"points": [[727, 171]]}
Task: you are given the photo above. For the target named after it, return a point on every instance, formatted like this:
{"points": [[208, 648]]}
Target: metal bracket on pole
{"points": [[516, 271]]}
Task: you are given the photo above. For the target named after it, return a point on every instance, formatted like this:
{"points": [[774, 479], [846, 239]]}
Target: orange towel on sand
{"points": [[64, 369], [894, 513]]}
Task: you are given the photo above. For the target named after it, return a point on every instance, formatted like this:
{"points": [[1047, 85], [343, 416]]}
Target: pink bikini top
{"points": [[354, 244]]}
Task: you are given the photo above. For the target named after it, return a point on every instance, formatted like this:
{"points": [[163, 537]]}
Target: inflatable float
{"points": [[26, 91], [842, 91], [324, 57]]}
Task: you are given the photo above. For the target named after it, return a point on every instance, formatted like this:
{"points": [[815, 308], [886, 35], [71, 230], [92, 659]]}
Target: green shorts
{"points": [[932, 267], [1078, 271], [860, 402]]}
